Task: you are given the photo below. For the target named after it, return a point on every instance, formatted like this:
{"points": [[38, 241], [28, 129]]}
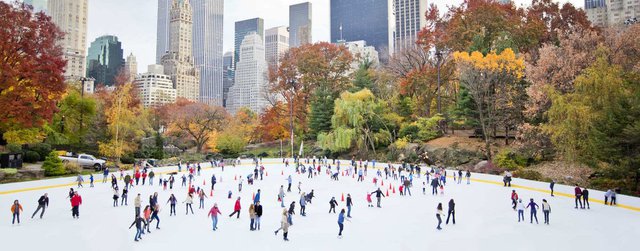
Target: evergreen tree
{"points": [[321, 112]]}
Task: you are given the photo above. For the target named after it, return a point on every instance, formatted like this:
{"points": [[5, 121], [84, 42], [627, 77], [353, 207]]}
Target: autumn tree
{"points": [[195, 121], [304, 69], [491, 80], [31, 68], [126, 120], [272, 126]]}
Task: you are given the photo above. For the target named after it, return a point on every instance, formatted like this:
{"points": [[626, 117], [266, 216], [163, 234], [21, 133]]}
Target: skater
{"points": [[173, 201], [439, 215], [520, 207], [546, 209], [341, 222], [551, 185], [468, 175], [349, 205], [299, 187], [116, 196], [201, 196], [585, 198], [333, 203], [154, 214], [127, 180], [284, 225], [213, 182], [507, 178], [236, 209], [91, 180], [289, 181], [607, 195], [578, 194], [213, 213], [105, 174], [256, 198], [459, 176], [140, 225], [151, 175], [407, 184], [310, 196], [76, 201], [434, 186], [534, 210], [16, 208], [188, 201], [125, 195], [303, 204], [369, 202], [451, 211], [80, 179], [613, 196], [514, 199], [281, 196], [43, 203], [379, 196], [137, 203], [258, 210], [252, 216]]}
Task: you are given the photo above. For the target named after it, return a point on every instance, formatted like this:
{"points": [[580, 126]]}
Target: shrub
{"points": [[528, 174], [13, 148], [263, 154], [72, 168], [127, 159], [409, 131], [31, 157], [509, 160], [42, 149], [53, 165]]}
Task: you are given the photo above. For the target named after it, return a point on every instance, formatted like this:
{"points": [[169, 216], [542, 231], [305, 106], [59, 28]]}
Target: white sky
{"points": [[134, 21]]}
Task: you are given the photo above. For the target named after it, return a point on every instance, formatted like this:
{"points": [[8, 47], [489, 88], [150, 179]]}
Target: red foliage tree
{"points": [[31, 67]]}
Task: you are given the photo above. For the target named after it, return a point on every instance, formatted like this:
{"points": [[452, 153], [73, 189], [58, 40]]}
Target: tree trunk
{"points": [[484, 132], [506, 136]]}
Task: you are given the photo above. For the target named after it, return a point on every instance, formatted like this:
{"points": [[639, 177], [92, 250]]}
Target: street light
{"points": [[293, 88], [83, 80]]}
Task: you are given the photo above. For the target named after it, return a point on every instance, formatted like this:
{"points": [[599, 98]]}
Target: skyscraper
{"points": [[155, 88], [162, 34], [409, 20], [605, 13], [242, 28], [368, 20], [228, 75], [38, 5], [207, 48], [71, 17], [178, 62], [131, 67], [250, 85], [300, 24], [276, 44], [105, 59]]}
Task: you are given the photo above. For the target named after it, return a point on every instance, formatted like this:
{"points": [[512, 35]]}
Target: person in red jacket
{"points": [[236, 209], [76, 201], [514, 199], [137, 176], [144, 177], [578, 193]]}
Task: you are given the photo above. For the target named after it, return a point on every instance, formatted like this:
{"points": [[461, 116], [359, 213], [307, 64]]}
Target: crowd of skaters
{"points": [[436, 178]]}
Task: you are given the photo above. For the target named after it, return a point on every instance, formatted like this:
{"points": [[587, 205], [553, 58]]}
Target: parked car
{"points": [[85, 161]]}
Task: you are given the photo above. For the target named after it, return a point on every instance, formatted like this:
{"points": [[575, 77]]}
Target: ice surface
{"points": [[485, 220]]}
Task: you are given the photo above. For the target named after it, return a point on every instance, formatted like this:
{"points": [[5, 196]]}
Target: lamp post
{"points": [[82, 80], [62, 124], [293, 88]]}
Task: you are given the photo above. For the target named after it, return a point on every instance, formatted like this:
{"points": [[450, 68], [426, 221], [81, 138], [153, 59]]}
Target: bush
{"points": [[263, 154], [127, 159], [31, 157], [528, 174], [13, 148], [509, 160], [43, 149], [409, 131], [424, 129], [72, 168], [53, 165]]}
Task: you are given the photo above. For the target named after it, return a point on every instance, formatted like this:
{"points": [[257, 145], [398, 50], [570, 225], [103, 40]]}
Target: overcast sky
{"points": [[134, 21]]}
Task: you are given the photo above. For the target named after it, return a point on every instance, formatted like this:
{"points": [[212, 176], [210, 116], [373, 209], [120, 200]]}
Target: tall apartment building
{"points": [[409, 18], [228, 75], [131, 67], [249, 89], [300, 24], [362, 53], [178, 62], [105, 59], [606, 13], [242, 28], [162, 30], [71, 17], [276, 44], [155, 88], [368, 20], [207, 48]]}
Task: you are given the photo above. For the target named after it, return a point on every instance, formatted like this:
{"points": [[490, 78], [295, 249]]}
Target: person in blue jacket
{"points": [[534, 210], [341, 222], [256, 199]]}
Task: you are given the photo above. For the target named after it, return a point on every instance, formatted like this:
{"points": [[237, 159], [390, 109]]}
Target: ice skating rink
{"points": [[484, 217]]}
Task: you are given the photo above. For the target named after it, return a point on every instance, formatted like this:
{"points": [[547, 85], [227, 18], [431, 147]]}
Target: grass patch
{"points": [[9, 170]]}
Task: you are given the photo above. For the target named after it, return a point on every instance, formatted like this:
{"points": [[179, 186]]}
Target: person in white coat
{"points": [[520, 208], [189, 201]]}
